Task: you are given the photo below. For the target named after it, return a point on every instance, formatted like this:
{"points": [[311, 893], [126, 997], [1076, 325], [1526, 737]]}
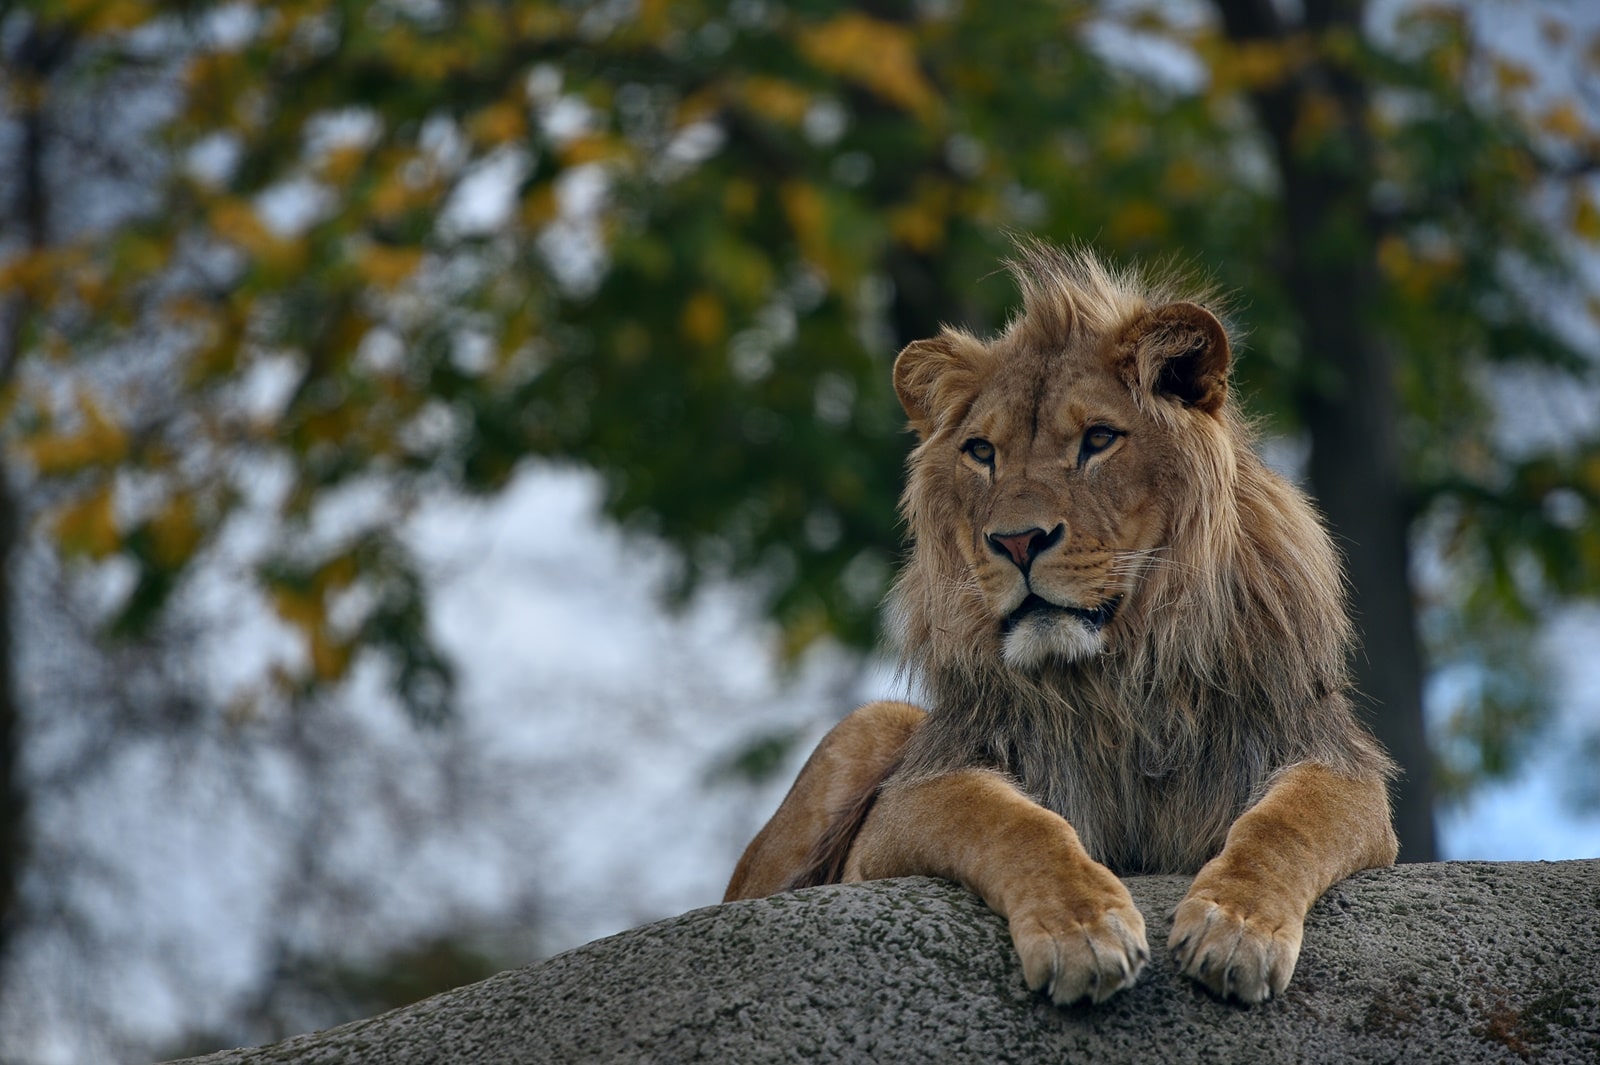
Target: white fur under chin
{"points": [[1037, 640]]}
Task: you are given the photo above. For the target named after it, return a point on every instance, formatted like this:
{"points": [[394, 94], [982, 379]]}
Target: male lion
{"points": [[1134, 639]]}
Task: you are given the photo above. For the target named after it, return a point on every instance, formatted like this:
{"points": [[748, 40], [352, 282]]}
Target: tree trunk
{"points": [[37, 54], [1348, 398], [13, 850]]}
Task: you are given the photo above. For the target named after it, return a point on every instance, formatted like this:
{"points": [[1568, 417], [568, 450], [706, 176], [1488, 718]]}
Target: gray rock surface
{"points": [[1449, 962]]}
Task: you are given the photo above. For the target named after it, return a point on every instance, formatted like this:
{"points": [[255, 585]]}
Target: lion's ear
{"points": [[1181, 350], [936, 378]]}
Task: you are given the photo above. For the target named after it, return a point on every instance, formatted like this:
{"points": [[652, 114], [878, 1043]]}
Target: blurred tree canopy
{"points": [[400, 243]]}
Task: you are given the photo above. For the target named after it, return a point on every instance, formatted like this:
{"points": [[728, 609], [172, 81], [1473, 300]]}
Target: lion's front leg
{"points": [[851, 760], [1074, 924], [1238, 929]]}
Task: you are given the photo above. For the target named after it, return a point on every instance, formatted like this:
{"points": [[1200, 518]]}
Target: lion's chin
{"points": [[1039, 631]]}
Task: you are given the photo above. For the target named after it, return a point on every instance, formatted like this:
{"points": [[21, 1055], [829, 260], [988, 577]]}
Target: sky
{"points": [[1532, 815]]}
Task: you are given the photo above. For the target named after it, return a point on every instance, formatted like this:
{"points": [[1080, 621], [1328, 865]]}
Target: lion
{"points": [[1133, 637]]}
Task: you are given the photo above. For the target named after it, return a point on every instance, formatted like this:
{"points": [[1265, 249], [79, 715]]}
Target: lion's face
{"points": [[1053, 483], [1050, 464]]}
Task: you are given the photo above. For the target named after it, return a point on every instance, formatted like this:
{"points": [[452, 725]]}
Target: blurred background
{"points": [[449, 461]]}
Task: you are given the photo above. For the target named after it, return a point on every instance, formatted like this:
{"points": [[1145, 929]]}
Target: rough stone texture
{"points": [[1450, 962]]}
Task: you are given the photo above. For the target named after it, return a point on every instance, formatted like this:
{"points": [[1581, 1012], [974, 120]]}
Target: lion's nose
{"points": [[1025, 546]]}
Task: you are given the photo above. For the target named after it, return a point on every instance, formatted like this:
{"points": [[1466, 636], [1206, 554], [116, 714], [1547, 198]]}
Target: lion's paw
{"points": [[1242, 952], [1080, 951]]}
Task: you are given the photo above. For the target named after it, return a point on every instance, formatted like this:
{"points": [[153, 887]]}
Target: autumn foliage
{"points": [[395, 246]]}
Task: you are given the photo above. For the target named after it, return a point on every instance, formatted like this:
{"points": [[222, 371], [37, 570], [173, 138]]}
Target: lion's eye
{"points": [[980, 450], [1096, 439]]}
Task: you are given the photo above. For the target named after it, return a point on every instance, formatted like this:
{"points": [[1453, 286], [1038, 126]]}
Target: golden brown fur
{"points": [[1133, 636]]}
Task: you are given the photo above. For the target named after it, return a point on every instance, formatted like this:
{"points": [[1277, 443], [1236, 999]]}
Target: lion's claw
{"points": [[1235, 952], [1072, 956]]}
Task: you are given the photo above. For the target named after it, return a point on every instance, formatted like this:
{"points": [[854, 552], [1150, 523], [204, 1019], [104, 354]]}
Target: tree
{"points": [[35, 57], [394, 245], [1409, 208], [1315, 108]]}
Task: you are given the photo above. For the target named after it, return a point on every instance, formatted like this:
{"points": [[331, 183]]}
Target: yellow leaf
{"points": [[42, 273], [218, 345], [140, 254], [1564, 120], [880, 56], [775, 99], [539, 206], [1449, 61], [1253, 65], [346, 332], [803, 207], [542, 21], [652, 19], [174, 532], [330, 656], [809, 217], [1511, 77], [89, 285], [1139, 220], [704, 319], [88, 526], [394, 196], [696, 107], [1318, 116], [340, 165], [1394, 258], [739, 197], [1417, 273], [301, 609], [1124, 140], [388, 266], [499, 123], [411, 175], [592, 148], [98, 441], [920, 224], [100, 16], [205, 73], [1586, 219], [804, 628], [116, 16], [237, 222], [337, 573], [1185, 179]]}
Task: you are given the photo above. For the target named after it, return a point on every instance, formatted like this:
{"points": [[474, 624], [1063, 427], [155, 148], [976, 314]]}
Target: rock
{"points": [[1448, 962]]}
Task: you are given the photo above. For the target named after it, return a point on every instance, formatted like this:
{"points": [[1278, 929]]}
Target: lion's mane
{"points": [[1230, 662]]}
